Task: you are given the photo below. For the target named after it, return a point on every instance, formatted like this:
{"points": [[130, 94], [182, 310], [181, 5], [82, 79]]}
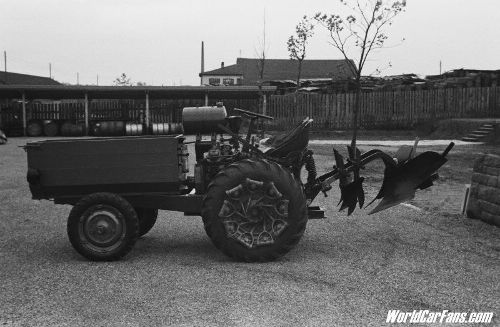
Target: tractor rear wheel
{"points": [[103, 226], [254, 210], [147, 219]]}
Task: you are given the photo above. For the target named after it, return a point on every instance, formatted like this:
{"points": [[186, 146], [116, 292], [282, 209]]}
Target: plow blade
{"points": [[352, 194], [401, 182]]}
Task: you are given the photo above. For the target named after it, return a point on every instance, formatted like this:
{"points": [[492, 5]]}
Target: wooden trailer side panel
{"points": [[119, 165]]}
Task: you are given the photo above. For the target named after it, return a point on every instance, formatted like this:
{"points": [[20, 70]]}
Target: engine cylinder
{"points": [[203, 120]]}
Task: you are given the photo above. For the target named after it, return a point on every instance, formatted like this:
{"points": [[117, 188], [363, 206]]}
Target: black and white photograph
{"points": [[249, 163]]}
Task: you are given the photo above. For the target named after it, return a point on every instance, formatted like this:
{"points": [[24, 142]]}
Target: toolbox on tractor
{"points": [[254, 205]]}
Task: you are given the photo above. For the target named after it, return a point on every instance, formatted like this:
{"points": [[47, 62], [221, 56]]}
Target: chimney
{"points": [[202, 57], [222, 64], [202, 61]]}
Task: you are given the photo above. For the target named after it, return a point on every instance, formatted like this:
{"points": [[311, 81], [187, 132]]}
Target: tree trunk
{"points": [[357, 105], [298, 75]]}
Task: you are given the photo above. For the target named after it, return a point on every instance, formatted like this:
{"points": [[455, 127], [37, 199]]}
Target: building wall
{"points": [[221, 80]]}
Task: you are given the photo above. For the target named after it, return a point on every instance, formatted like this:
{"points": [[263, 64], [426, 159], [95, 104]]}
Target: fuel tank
{"points": [[203, 120]]}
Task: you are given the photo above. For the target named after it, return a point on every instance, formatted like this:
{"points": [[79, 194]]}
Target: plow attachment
{"points": [[401, 182], [402, 177], [351, 192]]}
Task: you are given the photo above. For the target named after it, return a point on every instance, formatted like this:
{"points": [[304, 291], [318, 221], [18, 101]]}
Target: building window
{"points": [[239, 81], [228, 81], [214, 81]]}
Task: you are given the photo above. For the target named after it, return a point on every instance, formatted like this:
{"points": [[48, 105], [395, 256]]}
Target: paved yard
{"points": [[346, 271]]}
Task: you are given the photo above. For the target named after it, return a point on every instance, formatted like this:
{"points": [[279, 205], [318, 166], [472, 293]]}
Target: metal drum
{"points": [[34, 128], [109, 128], [203, 120], [132, 129], [176, 128], [50, 128], [160, 128], [71, 129]]}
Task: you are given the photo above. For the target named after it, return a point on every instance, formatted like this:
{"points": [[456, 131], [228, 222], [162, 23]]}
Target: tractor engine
{"points": [[215, 153]]}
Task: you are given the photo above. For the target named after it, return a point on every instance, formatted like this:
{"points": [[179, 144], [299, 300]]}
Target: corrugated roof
{"points": [[8, 78], [131, 92], [281, 69]]}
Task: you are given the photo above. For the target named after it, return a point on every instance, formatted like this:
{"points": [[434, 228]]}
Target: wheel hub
{"points": [[103, 227], [254, 213]]}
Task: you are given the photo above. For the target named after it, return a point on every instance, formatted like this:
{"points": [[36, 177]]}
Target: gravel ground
{"points": [[346, 271]]}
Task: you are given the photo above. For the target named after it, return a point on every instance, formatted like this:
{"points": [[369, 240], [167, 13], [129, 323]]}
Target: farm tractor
{"points": [[254, 205]]}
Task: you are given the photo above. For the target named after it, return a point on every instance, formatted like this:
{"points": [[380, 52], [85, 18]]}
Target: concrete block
{"points": [[489, 207], [491, 181], [478, 178], [478, 164], [492, 171], [491, 160], [488, 193], [473, 209], [490, 219]]}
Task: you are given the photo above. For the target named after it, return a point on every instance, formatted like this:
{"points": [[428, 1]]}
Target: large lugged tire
{"points": [[147, 219], [254, 210], [103, 226]]}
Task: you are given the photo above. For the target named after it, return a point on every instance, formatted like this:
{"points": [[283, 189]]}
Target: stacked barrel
{"points": [[36, 128]]}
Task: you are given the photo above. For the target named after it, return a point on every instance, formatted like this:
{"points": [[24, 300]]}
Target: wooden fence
{"points": [[393, 109], [161, 110]]}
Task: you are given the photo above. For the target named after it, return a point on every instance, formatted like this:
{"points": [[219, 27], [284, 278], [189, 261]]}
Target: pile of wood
{"points": [[454, 78], [466, 78]]}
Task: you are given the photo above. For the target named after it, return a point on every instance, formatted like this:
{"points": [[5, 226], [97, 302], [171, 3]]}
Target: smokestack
{"points": [[222, 64], [202, 57], [202, 61]]}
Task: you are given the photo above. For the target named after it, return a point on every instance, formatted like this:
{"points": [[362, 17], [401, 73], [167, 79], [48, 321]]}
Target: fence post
{"points": [[147, 111], [86, 104], [264, 104], [24, 113]]}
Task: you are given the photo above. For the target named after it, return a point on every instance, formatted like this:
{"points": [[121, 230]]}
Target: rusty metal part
{"points": [[254, 213]]}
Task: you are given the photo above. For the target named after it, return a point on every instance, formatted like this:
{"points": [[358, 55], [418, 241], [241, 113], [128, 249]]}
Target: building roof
{"points": [[224, 71], [8, 78], [131, 92], [281, 69]]}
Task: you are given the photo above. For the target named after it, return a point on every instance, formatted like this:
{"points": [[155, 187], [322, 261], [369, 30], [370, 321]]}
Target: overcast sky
{"points": [[158, 41]]}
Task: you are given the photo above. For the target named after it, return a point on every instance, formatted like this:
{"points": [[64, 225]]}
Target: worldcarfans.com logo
{"points": [[441, 317]]}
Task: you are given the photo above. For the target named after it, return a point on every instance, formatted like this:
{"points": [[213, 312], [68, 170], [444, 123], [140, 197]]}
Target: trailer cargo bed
{"points": [[122, 165]]}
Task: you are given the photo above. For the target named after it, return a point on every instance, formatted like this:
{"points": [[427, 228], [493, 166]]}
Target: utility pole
{"points": [[50, 70], [5, 65], [97, 80], [440, 67], [77, 78]]}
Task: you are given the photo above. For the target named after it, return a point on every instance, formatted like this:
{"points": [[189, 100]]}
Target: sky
{"points": [[158, 42]]}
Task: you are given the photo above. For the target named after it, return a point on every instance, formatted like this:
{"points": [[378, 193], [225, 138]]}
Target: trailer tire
{"points": [[273, 214], [147, 219], [103, 227]]}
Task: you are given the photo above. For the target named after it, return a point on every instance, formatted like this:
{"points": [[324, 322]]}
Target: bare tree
{"points": [[297, 44], [357, 35]]}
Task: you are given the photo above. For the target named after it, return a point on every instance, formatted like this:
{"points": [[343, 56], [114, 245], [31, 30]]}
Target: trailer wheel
{"points": [[254, 210], [147, 219], [103, 226]]}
